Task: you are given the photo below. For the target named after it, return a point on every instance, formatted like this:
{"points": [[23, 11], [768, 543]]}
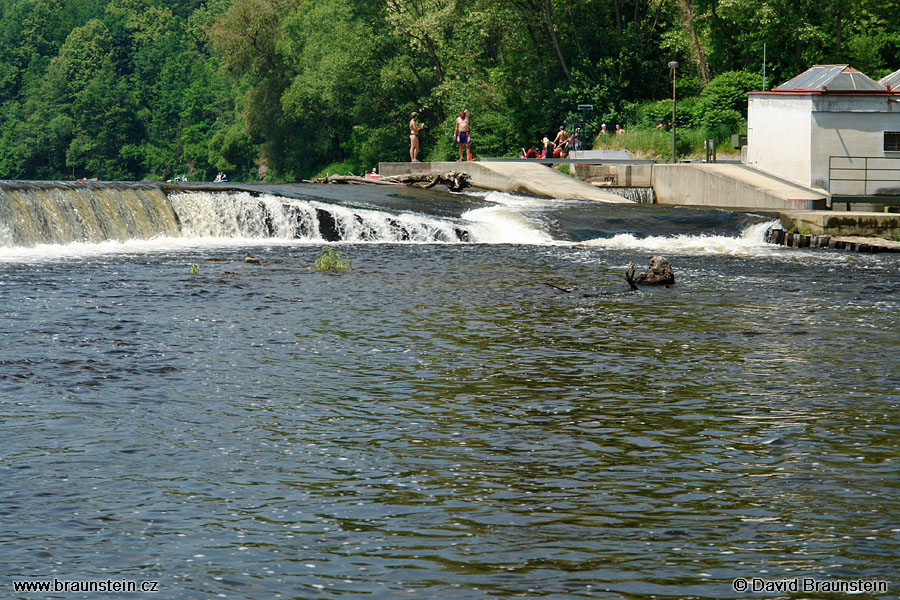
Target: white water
{"points": [[205, 214], [226, 220], [750, 242], [505, 223]]}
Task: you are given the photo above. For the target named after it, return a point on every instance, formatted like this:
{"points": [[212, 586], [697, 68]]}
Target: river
{"points": [[442, 420]]}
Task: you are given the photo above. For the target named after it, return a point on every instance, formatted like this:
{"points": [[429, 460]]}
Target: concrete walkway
{"points": [[730, 186], [527, 176]]}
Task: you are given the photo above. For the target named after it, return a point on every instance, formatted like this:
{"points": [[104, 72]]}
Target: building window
{"points": [[892, 141]]}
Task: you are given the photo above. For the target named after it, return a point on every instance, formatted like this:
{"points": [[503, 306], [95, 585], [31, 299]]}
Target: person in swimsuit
{"points": [[561, 141], [414, 129], [461, 134]]}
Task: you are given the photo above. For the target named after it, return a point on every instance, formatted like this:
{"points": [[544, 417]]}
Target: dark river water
{"points": [[439, 422]]}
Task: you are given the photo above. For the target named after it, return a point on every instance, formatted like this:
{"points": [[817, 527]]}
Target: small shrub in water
{"points": [[195, 269], [331, 260]]}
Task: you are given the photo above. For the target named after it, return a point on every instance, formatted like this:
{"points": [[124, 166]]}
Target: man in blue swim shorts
{"points": [[461, 134]]}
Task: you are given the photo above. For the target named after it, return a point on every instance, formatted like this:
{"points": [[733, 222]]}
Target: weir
{"points": [[34, 213], [60, 213]]}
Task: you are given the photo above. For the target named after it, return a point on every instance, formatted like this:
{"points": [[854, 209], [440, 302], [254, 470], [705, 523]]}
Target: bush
{"points": [[331, 260], [345, 167], [723, 103]]}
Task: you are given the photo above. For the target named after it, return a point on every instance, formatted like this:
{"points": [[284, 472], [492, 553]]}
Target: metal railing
{"points": [[863, 175]]}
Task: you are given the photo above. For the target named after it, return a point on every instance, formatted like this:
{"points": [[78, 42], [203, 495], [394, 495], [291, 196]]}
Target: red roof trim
{"points": [[827, 92]]}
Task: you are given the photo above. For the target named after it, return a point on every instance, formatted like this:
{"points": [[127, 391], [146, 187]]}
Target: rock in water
{"points": [[659, 273]]}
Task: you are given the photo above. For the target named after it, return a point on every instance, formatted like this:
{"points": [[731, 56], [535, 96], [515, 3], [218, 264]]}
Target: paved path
{"points": [[528, 176]]}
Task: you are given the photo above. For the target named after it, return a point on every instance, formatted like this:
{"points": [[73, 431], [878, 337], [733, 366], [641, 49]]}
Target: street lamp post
{"points": [[672, 66], [585, 109]]}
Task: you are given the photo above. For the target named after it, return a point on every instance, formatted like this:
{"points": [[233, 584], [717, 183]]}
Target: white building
{"points": [[831, 128]]}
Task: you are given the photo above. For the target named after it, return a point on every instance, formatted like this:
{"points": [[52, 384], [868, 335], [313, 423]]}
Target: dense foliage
{"points": [[283, 89]]}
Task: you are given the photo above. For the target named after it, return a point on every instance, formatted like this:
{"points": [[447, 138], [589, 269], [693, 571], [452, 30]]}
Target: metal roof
{"points": [[892, 81], [831, 78]]}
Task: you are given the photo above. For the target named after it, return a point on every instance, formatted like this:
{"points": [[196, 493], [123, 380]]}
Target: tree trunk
{"points": [[437, 62], [687, 7], [839, 30], [798, 48], [562, 61], [618, 18]]}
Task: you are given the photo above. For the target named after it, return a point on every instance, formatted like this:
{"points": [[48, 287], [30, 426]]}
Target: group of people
{"points": [[461, 136], [221, 178], [558, 147], [619, 129]]}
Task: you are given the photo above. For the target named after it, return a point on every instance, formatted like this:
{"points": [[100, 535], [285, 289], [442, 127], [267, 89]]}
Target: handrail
{"points": [[865, 170]]}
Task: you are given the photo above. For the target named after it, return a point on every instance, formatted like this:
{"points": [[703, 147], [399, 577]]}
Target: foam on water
{"points": [[158, 244], [499, 225], [204, 219], [750, 242], [506, 222], [245, 215]]}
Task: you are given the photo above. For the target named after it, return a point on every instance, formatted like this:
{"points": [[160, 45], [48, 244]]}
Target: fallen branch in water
{"points": [[454, 180], [629, 276], [352, 179], [562, 289]]}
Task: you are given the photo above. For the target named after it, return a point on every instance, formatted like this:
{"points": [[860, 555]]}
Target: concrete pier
{"points": [[527, 176], [842, 223]]}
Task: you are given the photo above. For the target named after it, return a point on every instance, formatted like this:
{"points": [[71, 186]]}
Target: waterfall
{"points": [[62, 213], [246, 215], [639, 195]]}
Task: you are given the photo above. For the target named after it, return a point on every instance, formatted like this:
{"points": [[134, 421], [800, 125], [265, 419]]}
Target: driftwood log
{"points": [[659, 273], [454, 180]]}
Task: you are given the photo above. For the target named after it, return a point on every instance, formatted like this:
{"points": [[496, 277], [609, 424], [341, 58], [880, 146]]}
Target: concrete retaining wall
{"points": [[841, 223], [615, 175], [730, 186]]}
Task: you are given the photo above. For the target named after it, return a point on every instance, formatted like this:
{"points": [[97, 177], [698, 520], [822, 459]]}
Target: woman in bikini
{"points": [[414, 129]]}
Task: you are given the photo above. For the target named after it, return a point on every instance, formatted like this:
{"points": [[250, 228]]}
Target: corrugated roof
{"points": [[831, 78], [892, 81]]}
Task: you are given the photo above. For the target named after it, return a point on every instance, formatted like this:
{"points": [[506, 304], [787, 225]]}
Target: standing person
{"points": [[576, 139], [461, 134], [547, 151], [562, 137], [562, 142], [414, 129]]}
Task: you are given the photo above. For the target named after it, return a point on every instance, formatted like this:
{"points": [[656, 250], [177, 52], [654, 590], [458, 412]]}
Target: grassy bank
{"points": [[655, 144]]}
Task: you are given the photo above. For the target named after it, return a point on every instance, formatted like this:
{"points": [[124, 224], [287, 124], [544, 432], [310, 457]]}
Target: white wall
{"points": [[778, 136], [854, 134]]}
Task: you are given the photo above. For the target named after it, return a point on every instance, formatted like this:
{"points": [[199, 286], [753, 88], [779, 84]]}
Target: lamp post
{"points": [[585, 109], [672, 66]]}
